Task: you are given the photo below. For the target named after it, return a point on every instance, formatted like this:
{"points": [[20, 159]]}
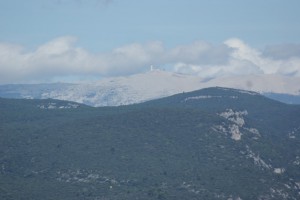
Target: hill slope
{"points": [[216, 143]]}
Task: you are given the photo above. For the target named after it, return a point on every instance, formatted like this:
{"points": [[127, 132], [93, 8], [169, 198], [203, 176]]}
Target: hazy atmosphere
{"points": [[150, 100], [70, 40]]}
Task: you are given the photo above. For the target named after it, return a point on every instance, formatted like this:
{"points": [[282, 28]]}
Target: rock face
{"points": [[197, 145]]}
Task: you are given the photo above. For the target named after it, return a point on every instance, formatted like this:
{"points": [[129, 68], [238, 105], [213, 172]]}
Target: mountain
{"points": [[285, 98], [147, 86], [215, 143], [109, 91]]}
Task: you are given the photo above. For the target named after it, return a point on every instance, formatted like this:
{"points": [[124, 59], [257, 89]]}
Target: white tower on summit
{"points": [[151, 68]]}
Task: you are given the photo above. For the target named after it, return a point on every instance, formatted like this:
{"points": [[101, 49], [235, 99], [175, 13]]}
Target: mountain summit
{"points": [[147, 86]]}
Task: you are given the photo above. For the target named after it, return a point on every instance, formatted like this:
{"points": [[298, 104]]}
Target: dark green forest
{"points": [[215, 143]]}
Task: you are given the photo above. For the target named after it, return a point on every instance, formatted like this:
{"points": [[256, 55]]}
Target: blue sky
{"points": [[120, 37]]}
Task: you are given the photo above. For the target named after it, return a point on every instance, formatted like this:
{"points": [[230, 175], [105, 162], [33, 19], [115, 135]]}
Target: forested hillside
{"points": [[215, 143]]}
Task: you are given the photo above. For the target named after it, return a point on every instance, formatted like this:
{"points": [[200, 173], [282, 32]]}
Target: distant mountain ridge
{"points": [[151, 85]]}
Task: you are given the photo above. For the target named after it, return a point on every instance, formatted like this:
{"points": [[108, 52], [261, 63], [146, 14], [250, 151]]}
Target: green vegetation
{"points": [[172, 148]]}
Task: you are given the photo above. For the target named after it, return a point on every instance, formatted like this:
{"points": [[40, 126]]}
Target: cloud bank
{"points": [[62, 58]]}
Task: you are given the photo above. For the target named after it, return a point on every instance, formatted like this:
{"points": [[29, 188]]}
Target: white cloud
{"points": [[200, 52], [61, 57], [287, 66], [284, 51], [243, 60]]}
